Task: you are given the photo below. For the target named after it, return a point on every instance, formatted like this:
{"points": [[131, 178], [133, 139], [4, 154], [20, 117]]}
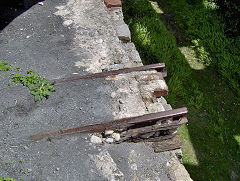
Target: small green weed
{"points": [[9, 163], [39, 87], [202, 54], [4, 66], [24, 171], [7, 179], [21, 161]]}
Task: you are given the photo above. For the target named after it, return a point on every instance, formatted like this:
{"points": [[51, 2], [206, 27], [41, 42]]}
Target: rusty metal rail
{"points": [[137, 132], [167, 144], [158, 66], [126, 124]]}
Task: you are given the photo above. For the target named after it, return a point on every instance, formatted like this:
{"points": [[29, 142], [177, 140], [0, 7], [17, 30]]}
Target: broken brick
{"points": [[113, 3], [158, 92]]}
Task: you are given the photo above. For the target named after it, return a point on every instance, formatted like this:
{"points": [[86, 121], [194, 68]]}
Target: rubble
{"points": [[95, 139]]}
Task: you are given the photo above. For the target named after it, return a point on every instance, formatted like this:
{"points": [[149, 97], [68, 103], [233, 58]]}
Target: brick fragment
{"points": [[113, 3], [166, 145], [158, 92]]}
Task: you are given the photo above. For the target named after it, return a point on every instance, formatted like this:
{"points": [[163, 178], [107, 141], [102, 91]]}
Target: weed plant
{"points": [[39, 87], [4, 66], [7, 179]]}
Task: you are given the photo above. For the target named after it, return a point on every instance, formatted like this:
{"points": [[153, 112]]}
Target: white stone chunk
{"points": [[67, 22], [96, 139], [116, 136], [155, 107], [108, 132], [109, 140]]}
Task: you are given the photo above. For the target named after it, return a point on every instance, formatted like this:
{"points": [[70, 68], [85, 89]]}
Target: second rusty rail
{"points": [[125, 123]]}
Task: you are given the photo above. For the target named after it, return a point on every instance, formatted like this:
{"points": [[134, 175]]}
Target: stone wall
{"points": [[110, 48], [135, 90]]}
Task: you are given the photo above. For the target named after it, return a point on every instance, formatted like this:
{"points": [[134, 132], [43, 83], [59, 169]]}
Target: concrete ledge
{"points": [[78, 37]]}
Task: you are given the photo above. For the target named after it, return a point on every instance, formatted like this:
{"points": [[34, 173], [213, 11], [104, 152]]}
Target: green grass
{"points": [[200, 22], [211, 138], [7, 179]]}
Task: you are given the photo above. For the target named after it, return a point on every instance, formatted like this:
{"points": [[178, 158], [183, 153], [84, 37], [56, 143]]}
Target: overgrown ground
{"points": [[202, 66]]}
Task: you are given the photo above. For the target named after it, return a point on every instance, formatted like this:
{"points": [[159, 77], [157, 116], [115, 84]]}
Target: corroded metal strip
{"points": [[117, 124], [156, 116], [153, 139], [137, 132], [158, 66], [167, 145]]}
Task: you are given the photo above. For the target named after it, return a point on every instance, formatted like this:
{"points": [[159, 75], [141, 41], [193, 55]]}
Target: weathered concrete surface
{"points": [[58, 39]]}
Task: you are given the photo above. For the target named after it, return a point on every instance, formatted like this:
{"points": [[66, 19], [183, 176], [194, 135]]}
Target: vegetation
{"points": [[4, 66], [207, 83], [9, 163], [7, 179], [200, 22], [230, 11], [39, 87]]}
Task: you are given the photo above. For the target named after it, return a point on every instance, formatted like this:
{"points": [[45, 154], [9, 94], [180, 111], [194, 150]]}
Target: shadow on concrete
{"points": [[10, 9]]}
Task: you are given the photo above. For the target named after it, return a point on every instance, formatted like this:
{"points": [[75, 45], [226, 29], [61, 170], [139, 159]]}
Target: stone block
{"points": [[162, 100], [115, 66], [155, 107], [156, 87], [148, 77], [123, 32]]}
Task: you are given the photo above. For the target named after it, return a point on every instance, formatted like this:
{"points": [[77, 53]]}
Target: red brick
{"points": [[160, 92], [113, 3]]}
